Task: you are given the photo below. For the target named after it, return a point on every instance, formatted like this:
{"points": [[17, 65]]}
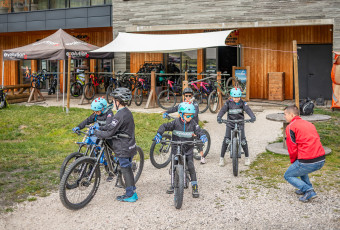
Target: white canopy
{"points": [[155, 43]]}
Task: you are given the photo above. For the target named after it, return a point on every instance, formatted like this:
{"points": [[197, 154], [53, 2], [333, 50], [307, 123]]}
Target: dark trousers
{"points": [[228, 136], [191, 167], [125, 164]]}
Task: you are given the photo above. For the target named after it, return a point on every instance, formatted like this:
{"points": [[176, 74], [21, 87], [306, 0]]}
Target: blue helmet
{"points": [[186, 107], [99, 104], [236, 92]]}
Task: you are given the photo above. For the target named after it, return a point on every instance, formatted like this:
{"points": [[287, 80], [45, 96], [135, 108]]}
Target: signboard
{"points": [[243, 80]]}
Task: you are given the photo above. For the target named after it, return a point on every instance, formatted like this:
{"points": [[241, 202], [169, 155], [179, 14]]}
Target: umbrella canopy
{"points": [[155, 43], [57, 46]]}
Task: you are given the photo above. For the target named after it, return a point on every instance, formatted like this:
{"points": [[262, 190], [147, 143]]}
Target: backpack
{"points": [[306, 107]]}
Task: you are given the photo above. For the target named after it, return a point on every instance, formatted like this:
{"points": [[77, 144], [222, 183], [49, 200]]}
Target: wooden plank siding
{"points": [[260, 52], [95, 36]]}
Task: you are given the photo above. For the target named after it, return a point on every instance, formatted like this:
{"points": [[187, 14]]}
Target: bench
{"points": [[16, 93]]}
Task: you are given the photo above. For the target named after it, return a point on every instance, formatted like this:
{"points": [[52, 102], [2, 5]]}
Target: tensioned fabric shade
{"points": [[155, 43]]}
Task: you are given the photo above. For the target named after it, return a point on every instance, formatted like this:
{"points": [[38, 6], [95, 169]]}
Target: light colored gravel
{"points": [[226, 202]]}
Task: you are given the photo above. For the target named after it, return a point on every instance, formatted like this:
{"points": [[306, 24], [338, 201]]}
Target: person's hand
{"points": [[75, 129], [253, 119], [219, 120], [92, 129], [158, 138], [165, 115], [204, 138]]}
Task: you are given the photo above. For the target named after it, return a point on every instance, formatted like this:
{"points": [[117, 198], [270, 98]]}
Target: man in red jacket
{"points": [[305, 151]]}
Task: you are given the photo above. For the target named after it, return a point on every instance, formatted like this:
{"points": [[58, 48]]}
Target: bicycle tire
{"points": [[206, 147], [202, 100], [76, 89], [230, 83], [178, 186], [109, 90], [235, 149], [81, 184], [89, 91], [138, 96], [68, 161], [165, 97], [160, 159], [213, 101]]}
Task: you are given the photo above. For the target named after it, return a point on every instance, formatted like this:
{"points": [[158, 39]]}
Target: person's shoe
{"points": [[299, 192], [308, 196], [109, 178], [120, 198], [247, 161], [202, 160], [195, 193], [221, 162], [132, 198], [170, 190]]}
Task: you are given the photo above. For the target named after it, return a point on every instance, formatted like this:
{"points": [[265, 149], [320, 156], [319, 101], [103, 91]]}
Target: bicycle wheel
{"points": [[213, 102], [138, 96], [178, 186], [166, 99], [83, 188], [235, 150], [160, 154], [68, 161], [89, 91], [205, 147], [76, 89], [202, 100], [231, 82], [109, 90]]}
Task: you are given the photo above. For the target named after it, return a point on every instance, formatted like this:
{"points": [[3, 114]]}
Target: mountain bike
{"points": [[167, 98], [89, 88], [77, 86], [53, 81], [37, 79], [143, 84], [235, 143], [201, 95], [81, 180], [3, 101], [179, 173], [120, 80]]}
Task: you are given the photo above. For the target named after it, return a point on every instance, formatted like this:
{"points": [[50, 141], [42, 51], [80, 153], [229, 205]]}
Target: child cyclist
{"points": [[124, 148], [183, 129], [188, 96], [235, 108]]}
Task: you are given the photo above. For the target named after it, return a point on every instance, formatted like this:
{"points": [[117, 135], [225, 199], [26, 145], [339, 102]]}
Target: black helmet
{"points": [[188, 90], [122, 94]]}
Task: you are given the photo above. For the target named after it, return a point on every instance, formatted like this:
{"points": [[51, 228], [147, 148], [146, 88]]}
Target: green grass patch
{"points": [[268, 168], [34, 141]]}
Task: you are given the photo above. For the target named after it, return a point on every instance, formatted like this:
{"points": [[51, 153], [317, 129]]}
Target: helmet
{"points": [[186, 107], [122, 94], [188, 90], [99, 104], [235, 92]]}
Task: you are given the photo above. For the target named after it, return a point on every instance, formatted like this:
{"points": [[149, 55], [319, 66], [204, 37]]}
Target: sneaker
{"points": [[247, 161], [125, 198], [195, 193], [170, 190], [308, 196], [221, 162], [202, 160], [299, 192], [109, 178]]}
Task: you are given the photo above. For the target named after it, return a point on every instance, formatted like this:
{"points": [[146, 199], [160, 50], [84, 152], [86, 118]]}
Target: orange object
{"points": [[335, 75]]}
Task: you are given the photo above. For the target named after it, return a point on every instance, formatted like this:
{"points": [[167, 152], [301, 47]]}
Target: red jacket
{"points": [[303, 141]]}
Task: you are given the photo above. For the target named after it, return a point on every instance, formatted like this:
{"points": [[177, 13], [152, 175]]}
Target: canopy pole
{"points": [[3, 71], [68, 83], [64, 61], [296, 75]]}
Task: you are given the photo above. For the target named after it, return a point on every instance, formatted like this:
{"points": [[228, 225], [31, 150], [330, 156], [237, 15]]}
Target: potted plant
{"points": [[18, 6], [3, 7], [34, 5]]}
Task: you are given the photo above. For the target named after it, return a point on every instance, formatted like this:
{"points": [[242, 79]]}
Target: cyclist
{"points": [[235, 107], [188, 97], [183, 129], [125, 148]]}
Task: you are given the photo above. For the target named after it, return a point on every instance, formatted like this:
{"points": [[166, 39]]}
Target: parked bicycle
{"points": [[119, 80], [53, 81], [3, 101], [90, 87], [143, 85], [235, 144], [77, 86], [201, 95], [81, 180], [37, 79], [166, 99]]}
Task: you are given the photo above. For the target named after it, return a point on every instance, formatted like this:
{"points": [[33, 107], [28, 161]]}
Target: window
{"points": [[189, 61], [57, 4], [97, 2], [79, 3], [211, 60]]}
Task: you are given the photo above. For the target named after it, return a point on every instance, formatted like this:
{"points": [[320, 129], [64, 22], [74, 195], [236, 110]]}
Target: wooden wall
{"points": [[262, 52], [95, 36]]}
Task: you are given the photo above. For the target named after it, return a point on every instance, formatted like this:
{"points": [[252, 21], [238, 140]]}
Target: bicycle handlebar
{"points": [[198, 142], [113, 137], [235, 121]]}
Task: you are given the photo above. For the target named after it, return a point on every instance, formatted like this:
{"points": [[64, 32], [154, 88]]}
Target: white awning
{"points": [[156, 43]]}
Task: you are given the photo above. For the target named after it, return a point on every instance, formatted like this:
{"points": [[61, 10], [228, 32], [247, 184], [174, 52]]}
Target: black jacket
{"points": [[122, 123], [175, 109], [182, 132], [102, 119], [235, 111]]}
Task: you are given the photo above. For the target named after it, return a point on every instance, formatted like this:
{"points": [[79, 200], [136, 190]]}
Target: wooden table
{"points": [[281, 147]]}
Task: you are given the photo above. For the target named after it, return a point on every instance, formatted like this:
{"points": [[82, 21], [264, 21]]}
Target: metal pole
{"points": [[68, 83], [64, 61], [3, 71]]}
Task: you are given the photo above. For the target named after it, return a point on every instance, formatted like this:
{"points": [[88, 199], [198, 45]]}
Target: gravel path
{"points": [[226, 202]]}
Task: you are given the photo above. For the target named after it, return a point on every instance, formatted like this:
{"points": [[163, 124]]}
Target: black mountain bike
{"points": [[81, 179], [167, 98], [235, 144]]}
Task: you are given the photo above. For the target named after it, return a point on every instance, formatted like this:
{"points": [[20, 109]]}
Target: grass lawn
{"points": [[35, 140], [268, 169]]}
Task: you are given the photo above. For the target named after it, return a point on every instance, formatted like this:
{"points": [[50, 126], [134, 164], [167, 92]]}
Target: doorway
{"points": [[315, 65]]}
